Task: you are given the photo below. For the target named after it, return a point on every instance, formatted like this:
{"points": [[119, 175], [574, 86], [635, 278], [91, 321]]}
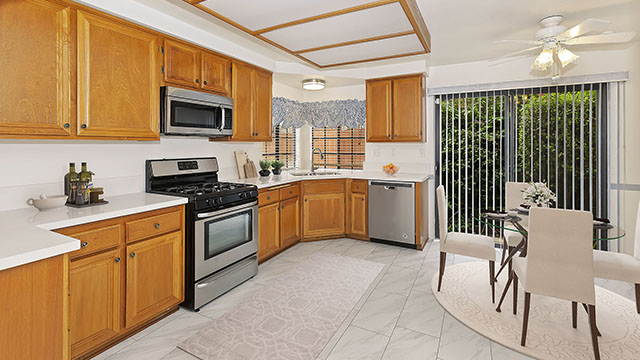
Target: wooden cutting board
{"points": [[241, 160], [250, 169]]}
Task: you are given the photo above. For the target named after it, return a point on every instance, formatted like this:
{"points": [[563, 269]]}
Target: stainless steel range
{"points": [[221, 225]]}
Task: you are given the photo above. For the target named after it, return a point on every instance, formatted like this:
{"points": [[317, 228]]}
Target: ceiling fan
{"points": [[554, 39]]}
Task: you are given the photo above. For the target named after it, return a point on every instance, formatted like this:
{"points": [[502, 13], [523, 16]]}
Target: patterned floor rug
{"points": [[466, 295], [293, 317]]}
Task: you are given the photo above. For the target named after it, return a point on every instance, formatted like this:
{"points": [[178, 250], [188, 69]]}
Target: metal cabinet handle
{"points": [[205, 82], [84, 244], [305, 200], [268, 197], [117, 260], [197, 81], [66, 125], [362, 199], [157, 226], [132, 255], [84, 126]]}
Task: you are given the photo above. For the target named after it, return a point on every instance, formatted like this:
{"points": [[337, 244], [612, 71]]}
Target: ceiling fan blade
{"points": [[528, 42], [517, 53], [611, 38], [587, 26]]}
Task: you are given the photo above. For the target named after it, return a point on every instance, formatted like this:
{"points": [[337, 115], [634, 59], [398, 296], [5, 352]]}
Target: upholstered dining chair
{"points": [[513, 198], [620, 266], [559, 263], [478, 246]]}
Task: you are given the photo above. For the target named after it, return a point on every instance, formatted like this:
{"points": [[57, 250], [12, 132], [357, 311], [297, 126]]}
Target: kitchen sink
{"points": [[317, 173]]}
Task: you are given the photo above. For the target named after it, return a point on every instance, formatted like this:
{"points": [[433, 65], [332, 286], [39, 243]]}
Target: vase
{"points": [[264, 173], [276, 171]]}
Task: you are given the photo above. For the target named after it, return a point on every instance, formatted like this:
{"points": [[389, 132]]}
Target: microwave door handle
{"points": [[221, 118]]}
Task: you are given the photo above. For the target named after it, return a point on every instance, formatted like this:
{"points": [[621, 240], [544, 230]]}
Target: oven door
{"points": [[224, 237]]}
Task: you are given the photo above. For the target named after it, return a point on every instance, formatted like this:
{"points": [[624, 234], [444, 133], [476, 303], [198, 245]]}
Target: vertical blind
{"points": [[551, 134]]}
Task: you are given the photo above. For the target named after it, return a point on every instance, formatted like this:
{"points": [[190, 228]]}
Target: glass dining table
{"points": [[513, 223]]}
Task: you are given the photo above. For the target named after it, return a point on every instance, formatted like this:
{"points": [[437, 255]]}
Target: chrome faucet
{"points": [[313, 165]]}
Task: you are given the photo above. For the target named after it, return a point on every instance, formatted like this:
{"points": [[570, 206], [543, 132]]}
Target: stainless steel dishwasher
{"points": [[392, 216]]}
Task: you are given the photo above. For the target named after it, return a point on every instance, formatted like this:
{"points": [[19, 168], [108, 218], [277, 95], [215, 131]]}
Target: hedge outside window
{"points": [[343, 148], [282, 147]]}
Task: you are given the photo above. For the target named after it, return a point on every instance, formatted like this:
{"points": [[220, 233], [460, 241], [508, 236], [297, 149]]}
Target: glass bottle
{"points": [[85, 176], [69, 178]]}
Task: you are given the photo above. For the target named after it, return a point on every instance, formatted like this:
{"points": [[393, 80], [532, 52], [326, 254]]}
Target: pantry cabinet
{"points": [[36, 69], [395, 111], [128, 272], [190, 66], [252, 97], [118, 84]]}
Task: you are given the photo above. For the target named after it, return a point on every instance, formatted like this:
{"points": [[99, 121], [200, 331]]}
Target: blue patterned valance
{"points": [[334, 113]]}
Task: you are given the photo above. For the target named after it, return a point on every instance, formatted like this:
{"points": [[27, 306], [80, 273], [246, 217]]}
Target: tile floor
{"points": [[397, 317]]}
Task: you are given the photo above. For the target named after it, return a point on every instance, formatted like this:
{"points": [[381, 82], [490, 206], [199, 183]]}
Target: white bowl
{"points": [[50, 202]]}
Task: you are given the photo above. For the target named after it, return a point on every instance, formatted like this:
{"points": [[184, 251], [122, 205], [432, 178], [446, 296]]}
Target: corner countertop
{"points": [[26, 234], [286, 177]]}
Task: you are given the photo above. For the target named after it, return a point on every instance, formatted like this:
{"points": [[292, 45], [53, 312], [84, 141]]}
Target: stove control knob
{"points": [[218, 200], [209, 201], [241, 195]]}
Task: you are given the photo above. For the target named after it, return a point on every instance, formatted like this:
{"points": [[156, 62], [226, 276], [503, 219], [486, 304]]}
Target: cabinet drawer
{"points": [[268, 197], [359, 186], [289, 192], [324, 187], [96, 240], [153, 226]]}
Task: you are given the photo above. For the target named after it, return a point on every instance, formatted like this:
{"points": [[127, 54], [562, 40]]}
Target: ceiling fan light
{"points": [[566, 56], [313, 84], [544, 60]]}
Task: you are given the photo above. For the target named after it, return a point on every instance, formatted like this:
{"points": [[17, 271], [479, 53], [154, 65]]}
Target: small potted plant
{"points": [[277, 166], [265, 165]]}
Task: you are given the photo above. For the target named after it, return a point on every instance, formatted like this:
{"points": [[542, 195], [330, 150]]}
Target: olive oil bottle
{"points": [[71, 177], [85, 175]]}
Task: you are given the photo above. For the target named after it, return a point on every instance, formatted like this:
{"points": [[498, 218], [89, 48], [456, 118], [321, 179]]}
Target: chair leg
{"points": [[492, 280], [443, 259], [586, 309], [574, 314], [511, 250], [504, 292], [515, 293], [525, 317], [594, 331], [504, 250], [638, 298]]}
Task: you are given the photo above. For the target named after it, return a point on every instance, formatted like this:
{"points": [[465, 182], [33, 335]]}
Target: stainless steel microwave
{"points": [[190, 112]]}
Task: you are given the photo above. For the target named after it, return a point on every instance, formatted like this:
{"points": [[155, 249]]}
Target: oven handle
{"points": [[224, 211]]}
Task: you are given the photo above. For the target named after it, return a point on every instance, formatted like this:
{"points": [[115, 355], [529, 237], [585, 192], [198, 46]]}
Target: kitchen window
{"points": [[282, 147], [343, 148]]}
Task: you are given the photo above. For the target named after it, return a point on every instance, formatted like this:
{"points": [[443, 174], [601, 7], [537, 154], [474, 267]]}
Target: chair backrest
{"points": [[560, 254], [636, 242], [514, 197], [443, 216]]}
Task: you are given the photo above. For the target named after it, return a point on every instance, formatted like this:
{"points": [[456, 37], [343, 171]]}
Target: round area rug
{"points": [[466, 295]]}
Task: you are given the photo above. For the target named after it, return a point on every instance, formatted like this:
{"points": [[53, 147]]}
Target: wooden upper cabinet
{"points": [[290, 221], [242, 102], [379, 110], [262, 119], [118, 85], [407, 109], [181, 63], [216, 73], [154, 277], [395, 109], [36, 68], [94, 300]]}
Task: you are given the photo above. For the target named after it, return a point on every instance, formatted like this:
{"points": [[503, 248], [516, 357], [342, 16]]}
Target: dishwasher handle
{"points": [[392, 185]]}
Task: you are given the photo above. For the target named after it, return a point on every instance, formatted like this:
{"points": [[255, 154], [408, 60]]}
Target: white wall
{"points": [[33, 167]]}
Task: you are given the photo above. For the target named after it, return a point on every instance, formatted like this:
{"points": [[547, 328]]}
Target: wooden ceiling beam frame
{"points": [[368, 60], [359, 41], [412, 11], [193, 2], [326, 15]]}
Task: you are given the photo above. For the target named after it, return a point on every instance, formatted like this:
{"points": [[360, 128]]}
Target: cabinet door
{"points": [[154, 277], [407, 109], [269, 230], [358, 215], [118, 88], [94, 300], [216, 73], [379, 110], [242, 102], [262, 119], [181, 64], [34, 91], [323, 215], [290, 221]]}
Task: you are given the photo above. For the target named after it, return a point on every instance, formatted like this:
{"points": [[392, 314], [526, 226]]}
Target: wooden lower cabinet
{"points": [[358, 215], [323, 215], [269, 230], [290, 221], [154, 277], [94, 296]]}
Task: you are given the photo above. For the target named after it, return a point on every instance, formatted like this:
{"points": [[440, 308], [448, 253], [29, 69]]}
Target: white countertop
{"points": [[26, 235], [286, 177]]}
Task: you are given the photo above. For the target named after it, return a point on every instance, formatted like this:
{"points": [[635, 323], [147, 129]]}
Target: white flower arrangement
{"points": [[539, 194]]}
